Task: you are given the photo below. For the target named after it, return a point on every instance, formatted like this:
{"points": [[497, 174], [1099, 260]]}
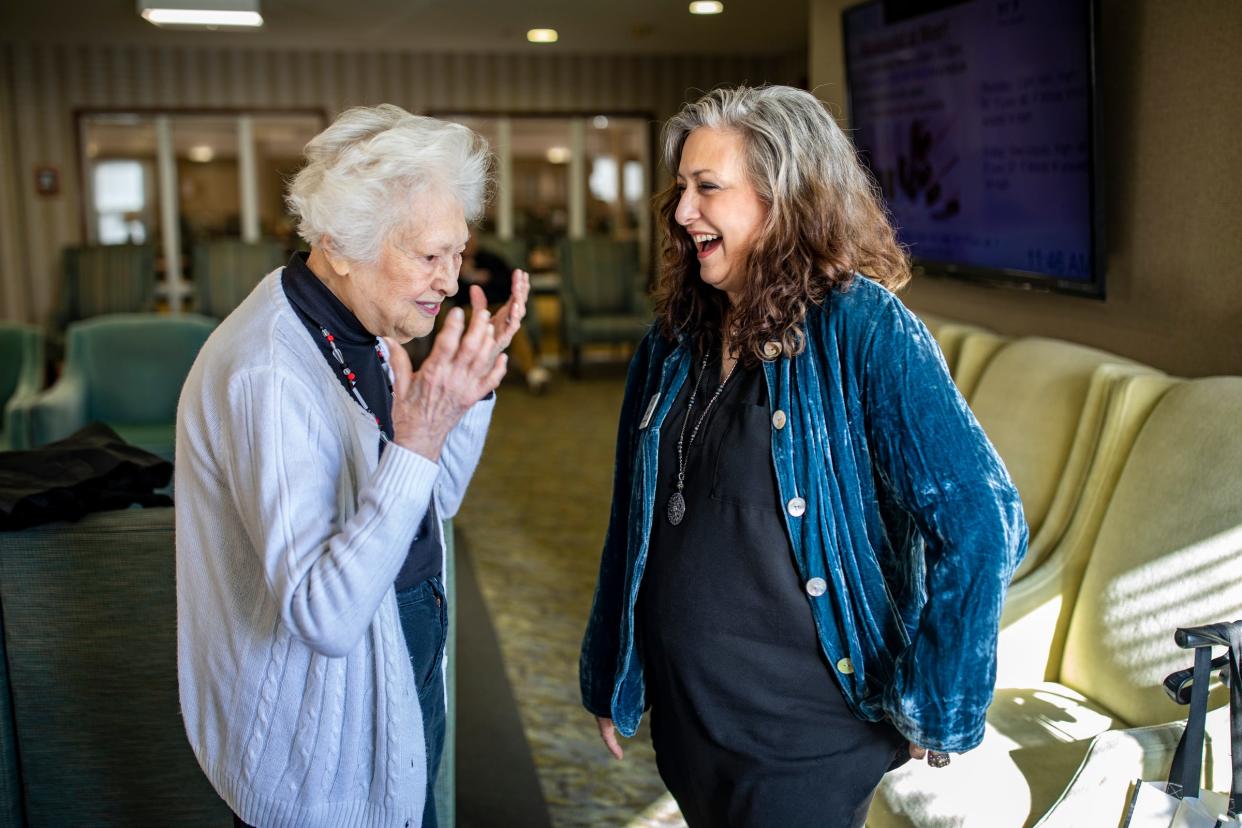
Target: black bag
{"points": [[93, 470]]}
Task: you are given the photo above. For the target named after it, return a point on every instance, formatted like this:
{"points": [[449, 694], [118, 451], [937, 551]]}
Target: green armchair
{"points": [[125, 370], [603, 294], [21, 377], [226, 271]]}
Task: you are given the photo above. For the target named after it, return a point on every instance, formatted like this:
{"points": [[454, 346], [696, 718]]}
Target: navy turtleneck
{"points": [[319, 308]]}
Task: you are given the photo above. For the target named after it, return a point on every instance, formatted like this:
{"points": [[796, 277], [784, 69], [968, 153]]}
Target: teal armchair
{"points": [[125, 370], [603, 295], [21, 377], [225, 272]]}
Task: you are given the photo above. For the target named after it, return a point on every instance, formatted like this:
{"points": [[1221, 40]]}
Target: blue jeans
{"points": [[423, 610], [424, 620]]}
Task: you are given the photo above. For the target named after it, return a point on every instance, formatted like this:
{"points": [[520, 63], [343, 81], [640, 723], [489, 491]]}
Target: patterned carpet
{"points": [[535, 518]]}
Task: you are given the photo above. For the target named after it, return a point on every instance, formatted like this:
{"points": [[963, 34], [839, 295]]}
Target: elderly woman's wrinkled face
{"points": [[719, 208], [400, 294]]}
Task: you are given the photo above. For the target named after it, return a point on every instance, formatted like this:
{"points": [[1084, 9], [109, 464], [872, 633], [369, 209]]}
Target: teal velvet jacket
{"points": [[904, 523]]}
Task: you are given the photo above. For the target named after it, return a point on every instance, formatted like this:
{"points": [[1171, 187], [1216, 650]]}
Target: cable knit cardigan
{"points": [[296, 687]]}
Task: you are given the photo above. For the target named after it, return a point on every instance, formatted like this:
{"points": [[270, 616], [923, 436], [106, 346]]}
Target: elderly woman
{"points": [[811, 537], [313, 470]]}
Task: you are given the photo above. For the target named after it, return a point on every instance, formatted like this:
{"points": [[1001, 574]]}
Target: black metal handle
{"points": [[1209, 635]]}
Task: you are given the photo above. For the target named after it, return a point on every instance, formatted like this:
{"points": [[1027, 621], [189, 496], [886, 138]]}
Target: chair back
{"points": [[111, 278], [600, 275], [1167, 553], [90, 657], [1041, 403], [133, 365], [225, 271]]}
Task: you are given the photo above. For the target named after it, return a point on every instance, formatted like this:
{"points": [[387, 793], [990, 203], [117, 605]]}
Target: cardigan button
{"points": [[771, 349], [779, 419], [816, 587], [845, 666], [796, 507]]}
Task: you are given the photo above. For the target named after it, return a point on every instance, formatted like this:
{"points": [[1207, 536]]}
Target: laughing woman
{"points": [[811, 537]]}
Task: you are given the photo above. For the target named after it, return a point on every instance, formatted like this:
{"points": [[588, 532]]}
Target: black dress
{"points": [[749, 725]]}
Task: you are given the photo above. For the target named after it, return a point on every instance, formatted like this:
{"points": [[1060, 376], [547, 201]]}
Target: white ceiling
{"points": [[747, 27]]}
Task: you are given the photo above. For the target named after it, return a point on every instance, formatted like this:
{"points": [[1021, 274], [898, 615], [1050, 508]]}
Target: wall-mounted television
{"points": [[978, 120]]}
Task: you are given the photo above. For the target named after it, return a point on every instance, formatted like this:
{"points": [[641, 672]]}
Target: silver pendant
{"points": [[676, 508]]}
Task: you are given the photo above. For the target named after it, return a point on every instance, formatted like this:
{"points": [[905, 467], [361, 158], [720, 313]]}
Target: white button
{"points": [[797, 507], [778, 419], [816, 587], [845, 666], [771, 349]]}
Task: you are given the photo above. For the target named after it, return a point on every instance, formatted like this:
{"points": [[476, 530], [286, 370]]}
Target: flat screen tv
{"points": [[977, 119]]}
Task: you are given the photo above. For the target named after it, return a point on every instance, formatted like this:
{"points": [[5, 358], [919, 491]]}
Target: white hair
{"points": [[363, 172]]}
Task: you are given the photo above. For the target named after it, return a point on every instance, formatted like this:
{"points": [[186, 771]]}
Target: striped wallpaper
{"points": [[42, 84]]}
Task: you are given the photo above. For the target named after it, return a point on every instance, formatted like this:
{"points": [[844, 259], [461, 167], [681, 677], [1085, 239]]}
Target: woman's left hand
{"points": [[934, 758], [508, 317]]}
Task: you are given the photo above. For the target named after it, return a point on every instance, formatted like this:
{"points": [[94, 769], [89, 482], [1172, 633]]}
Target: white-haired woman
{"points": [[811, 536], [313, 470]]}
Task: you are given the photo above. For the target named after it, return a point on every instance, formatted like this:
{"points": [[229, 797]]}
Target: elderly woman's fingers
{"points": [[492, 381], [402, 369], [448, 341], [478, 299], [521, 286]]}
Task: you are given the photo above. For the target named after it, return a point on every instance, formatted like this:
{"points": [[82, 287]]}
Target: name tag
{"points": [[651, 407]]}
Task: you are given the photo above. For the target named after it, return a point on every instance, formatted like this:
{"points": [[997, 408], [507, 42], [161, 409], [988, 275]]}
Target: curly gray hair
{"points": [[364, 170]]}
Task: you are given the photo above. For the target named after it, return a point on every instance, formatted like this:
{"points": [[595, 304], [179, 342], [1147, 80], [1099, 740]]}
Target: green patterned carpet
{"points": [[534, 519]]}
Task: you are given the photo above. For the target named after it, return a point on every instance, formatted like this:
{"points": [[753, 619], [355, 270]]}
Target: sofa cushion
{"points": [[1035, 738]]}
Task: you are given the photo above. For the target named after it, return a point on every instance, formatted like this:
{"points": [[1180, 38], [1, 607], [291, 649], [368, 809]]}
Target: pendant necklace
{"points": [[677, 503]]}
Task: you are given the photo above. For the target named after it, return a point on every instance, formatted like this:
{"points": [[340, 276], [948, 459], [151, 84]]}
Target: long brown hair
{"points": [[825, 222]]}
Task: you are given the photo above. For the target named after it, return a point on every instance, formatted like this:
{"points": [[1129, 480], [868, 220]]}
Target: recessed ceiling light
{"points": [[542, 36], [198, 14], [558, 155], [706, 7]]}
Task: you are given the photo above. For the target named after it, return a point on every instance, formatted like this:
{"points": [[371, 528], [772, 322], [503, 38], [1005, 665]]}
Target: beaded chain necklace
{"points": [[349, 374]]}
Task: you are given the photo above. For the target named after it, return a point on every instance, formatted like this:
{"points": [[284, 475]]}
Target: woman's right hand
{"points": [[463, 367], [609, 734]]}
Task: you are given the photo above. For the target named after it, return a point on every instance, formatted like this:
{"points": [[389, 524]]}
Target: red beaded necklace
{"points": [[352, 377]]}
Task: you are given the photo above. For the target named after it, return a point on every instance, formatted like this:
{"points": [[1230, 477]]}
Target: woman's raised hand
{"points": [[464, 366], [509, 316]]}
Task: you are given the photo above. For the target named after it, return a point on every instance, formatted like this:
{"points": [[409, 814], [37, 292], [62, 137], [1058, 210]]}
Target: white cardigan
{"points": [[296, 686]]}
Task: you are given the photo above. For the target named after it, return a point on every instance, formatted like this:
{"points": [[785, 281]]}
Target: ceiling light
{"points": [[557, 155], [202, 153], [542, 36], [200, 14], [706, 7], [600, 122]]}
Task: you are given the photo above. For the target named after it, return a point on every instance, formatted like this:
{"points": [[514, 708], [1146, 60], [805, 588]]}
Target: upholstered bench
{"points": [[1155, 544]]}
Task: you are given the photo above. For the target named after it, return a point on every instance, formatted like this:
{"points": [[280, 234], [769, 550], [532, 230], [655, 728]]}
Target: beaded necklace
{"points": [[349, 374]]}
